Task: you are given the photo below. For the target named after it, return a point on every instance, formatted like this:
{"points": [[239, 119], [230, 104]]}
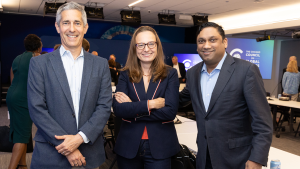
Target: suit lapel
{"points": [[140, 90], [224, 76], [151, 89], [198, 80], [86, 75], [59, 70]]}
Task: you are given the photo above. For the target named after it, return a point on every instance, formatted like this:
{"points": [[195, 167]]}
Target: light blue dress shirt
{"points": [[209, 80], [74, 69]]}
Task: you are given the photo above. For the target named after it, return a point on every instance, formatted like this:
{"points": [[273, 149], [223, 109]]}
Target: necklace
{"points": [[146, 75]]}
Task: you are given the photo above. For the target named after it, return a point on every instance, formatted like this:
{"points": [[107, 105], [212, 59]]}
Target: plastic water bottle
{"points": [[279, 95], [275, 164]]}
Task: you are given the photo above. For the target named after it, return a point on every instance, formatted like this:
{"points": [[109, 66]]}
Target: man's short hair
{"points": [[32, 42], [95, 53], [69, 6], [214, 25], [175, 57], [85, 44], [113, 55]]}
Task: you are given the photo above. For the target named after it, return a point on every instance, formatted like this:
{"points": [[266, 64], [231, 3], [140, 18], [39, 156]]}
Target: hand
{"points": [[71, 143], [183, 80], [115, 68], [252, 165], [76, 159], [157, 103], [122, 97]]}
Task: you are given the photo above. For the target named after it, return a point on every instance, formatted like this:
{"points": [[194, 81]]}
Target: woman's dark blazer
{"points": [[136, 115]]}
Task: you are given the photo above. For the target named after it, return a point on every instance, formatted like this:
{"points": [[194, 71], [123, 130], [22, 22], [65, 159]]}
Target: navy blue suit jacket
{"points": [[237, 125], [52, 111], [159, 122]]}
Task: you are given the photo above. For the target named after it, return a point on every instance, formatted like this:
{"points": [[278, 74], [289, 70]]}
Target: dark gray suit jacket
{"points": [[51, 108], [237, 126]]}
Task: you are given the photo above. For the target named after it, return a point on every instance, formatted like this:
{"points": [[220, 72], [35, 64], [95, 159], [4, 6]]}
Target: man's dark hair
{"points": [[32, 42], [214, 25]]}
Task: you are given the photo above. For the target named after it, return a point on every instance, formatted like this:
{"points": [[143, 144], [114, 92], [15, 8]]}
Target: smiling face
{"points": [[71, 29], [210, 46], [174, 61], [146, 55]]}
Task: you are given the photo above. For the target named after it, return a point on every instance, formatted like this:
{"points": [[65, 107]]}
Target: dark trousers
{"points": [[143, 160], [208, 162], [180, 80]]}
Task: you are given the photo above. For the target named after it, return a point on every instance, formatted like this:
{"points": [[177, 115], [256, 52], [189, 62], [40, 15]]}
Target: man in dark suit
{"points": [[118, 65], [180, 69], [69, 98], [228, 96], [284, 70]]}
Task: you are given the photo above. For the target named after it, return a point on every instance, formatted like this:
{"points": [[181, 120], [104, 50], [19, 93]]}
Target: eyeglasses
{"points": [[150, 45]]}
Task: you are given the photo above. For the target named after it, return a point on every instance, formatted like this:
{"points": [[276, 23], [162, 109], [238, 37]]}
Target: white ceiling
{"points": [[215, 8]]}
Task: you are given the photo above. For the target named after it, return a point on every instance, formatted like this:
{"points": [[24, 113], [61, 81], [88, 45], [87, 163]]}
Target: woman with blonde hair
{"points": [[291, 80], [147, 102]]}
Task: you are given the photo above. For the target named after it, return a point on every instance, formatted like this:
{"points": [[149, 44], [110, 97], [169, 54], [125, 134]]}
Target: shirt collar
{"points": [[63, 51], [219, 66]]}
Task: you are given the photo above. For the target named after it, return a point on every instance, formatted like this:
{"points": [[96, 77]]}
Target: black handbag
{"points": [[184, 159], [5, 145]]}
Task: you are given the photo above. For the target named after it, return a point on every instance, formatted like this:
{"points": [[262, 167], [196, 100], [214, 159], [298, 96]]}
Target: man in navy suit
{"points": [[228, 97], [69, 98], [180, 69]]}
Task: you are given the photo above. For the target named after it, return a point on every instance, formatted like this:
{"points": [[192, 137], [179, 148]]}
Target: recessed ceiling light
{"points": [[135, 2], [258, 1]]}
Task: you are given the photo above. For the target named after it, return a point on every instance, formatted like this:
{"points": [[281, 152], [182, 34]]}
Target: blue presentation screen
{"points": [[259, 53], [47, 50]]}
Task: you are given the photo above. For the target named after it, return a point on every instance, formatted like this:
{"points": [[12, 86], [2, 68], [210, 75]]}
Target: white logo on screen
{"points": [[187, 63], [236, 53]]}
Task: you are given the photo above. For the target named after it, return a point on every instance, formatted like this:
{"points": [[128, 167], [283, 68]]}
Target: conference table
{"points": [[187, 135], [276, 102]]}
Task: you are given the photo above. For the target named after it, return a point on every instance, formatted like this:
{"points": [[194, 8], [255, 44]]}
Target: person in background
{"points": [[44, 52], [291, 80], [86, 45], [16, 100], [56, 46], [180, 69], [284, 70], [113, 72], [147, 102], [118, 65], [95, 53]]}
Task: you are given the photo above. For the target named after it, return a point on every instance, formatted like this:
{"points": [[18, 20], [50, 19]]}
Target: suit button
{"points": [[73, 115]]}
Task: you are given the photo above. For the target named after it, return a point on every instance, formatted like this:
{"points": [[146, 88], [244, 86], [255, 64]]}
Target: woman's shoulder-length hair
{"points": [[159, 69], [292, 67]]}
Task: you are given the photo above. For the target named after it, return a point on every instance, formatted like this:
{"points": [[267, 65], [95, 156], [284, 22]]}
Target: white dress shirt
{"points": [[177, 68], [74, 69]]}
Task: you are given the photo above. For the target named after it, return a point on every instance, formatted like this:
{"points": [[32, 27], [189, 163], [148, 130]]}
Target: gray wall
{"points": [[288, 48], [282, 51], [271, 84]]}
